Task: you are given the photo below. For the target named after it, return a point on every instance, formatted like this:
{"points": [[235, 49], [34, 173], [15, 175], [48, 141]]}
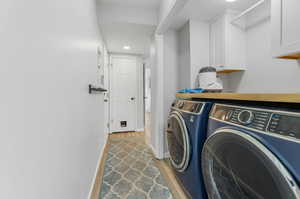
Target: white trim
{"points": [[167, 154], [157, 97], [247, 11], [153, 150], [141, 129], [110, 83], [108, 64], [171, 15], [140, 95], [97, 168], [147, 140]]}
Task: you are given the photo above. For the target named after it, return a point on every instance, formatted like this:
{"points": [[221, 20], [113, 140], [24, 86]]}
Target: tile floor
{"points": [[130, 172]]}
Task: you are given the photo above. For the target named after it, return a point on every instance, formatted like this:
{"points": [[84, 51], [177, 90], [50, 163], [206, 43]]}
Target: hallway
{"points": [[131, 171]]}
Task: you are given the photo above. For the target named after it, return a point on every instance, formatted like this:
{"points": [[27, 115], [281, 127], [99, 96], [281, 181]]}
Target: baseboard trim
{"points": [[147, 140], [153, 150], [169, 176], [97, 180], [166, 155], [141, 129]]}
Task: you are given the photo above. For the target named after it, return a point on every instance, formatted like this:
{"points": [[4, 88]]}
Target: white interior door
{"points": [[123, 93]]}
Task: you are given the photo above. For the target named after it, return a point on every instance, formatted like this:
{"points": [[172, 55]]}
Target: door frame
{"points": [[106, 98], [139, 97]]}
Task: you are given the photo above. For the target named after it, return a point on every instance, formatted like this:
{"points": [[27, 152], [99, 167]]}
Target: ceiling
{"points": [[137, 36], [132, 22], [128, 23], [141, 3], [207, 9]]}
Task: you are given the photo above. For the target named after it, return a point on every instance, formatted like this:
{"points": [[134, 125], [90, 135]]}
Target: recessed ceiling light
{"points": [[126, 47], [230, 0]]}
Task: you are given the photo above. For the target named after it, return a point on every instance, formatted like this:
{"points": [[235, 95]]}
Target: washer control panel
{"points": [[270, 121], [251, 118], [275, 122], [188, 106]]}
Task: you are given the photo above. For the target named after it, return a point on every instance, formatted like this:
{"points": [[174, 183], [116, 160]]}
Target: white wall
{"points": [[51, 128], [170, 76], [199, 48], [193, 51], [264, 74], [164, 83], [184, 69], [157, 95], [140, 97]]}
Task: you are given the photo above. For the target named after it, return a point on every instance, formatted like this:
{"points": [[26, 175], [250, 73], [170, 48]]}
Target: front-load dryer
{"points": [[186, 134], [252, 153]]}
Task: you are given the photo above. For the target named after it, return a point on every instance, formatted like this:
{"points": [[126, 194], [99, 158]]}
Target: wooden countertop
{"points": [[268, 97]]}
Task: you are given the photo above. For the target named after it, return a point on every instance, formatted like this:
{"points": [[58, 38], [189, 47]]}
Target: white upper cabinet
{"points": [[227, 44], [286, 28]]}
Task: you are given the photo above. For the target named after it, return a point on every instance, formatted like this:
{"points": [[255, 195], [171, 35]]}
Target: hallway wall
{"points": [[184, 55], [51, 128]]}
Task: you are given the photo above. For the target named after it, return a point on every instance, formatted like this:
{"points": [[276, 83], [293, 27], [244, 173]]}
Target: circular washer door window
{"points": [[178, 142], [237, 166]]}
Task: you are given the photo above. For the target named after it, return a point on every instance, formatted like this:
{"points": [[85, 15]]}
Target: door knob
{"points": [[133, 98], [169, 130]]}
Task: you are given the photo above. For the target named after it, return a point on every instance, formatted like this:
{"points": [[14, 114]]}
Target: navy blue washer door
{"points": [[178, 142], [237, 166]]}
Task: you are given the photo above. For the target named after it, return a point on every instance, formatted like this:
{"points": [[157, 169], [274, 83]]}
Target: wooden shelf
{"points": [[292, 56], [270, 97], [228, 71]]}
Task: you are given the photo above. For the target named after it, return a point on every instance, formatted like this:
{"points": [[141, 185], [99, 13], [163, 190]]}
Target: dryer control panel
{"points": [[266, 120], [193, 107]]}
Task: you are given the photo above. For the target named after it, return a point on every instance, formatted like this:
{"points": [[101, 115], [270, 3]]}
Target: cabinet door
{"points": [[217, 43], [285, 27]]}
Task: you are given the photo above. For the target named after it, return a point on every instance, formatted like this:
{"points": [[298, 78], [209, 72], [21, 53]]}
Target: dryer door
{"points": [[237, 166], [178, 142]]}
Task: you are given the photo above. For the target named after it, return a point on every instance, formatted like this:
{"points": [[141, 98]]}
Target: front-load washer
{"points": [[252, 153], [186, 134]]}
